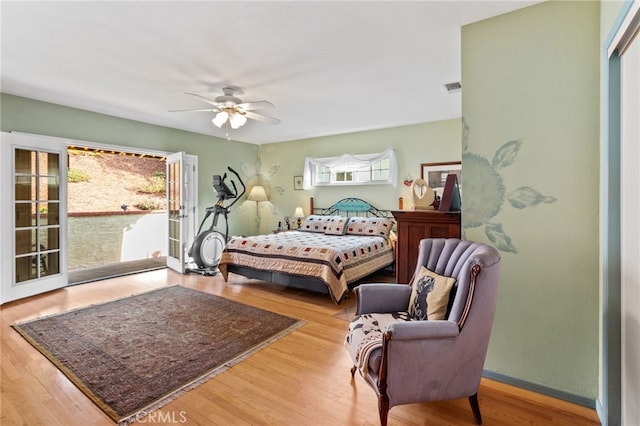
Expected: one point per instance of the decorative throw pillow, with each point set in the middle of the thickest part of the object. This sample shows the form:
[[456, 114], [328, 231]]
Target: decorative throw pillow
[[336, 225], [379, 226], [314, 223], [430, 295]]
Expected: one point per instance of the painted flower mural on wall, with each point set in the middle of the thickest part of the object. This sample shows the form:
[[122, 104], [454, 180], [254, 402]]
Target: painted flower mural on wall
[[483, 180]]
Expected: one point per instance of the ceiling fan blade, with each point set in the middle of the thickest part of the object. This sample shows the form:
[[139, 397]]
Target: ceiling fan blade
[[261, 117], [211, 101], [250, 106], [195, 110]]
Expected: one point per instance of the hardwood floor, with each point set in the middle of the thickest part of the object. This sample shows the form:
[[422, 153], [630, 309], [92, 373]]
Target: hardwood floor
[[302, 379]]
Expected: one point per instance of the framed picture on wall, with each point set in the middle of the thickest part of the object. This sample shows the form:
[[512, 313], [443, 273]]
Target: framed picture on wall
[[297, 183], [435, 174]]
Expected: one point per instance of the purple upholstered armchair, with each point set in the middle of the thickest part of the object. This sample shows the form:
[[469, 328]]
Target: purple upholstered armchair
[[407, 360]]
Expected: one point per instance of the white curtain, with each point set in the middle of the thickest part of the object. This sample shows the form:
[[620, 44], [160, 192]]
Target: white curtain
[[349, 161]]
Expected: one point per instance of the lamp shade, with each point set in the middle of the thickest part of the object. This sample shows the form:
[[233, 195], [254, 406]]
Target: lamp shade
[[237, 120], [257, 193], [298, 212], [220, 118]]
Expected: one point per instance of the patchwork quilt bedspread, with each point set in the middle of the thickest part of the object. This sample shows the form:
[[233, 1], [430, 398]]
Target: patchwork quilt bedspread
[[337, 260]]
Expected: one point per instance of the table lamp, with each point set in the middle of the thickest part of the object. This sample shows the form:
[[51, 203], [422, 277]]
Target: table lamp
[[299, 213]]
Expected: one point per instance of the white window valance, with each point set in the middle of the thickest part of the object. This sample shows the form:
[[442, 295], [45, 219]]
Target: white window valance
[[350, 161]]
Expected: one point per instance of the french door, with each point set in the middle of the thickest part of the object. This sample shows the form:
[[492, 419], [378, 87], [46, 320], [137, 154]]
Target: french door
[[182, 201], [621, 288], [630, 225], [33, 222]]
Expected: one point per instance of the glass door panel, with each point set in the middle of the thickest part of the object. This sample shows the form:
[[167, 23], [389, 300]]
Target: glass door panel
[[175, 205], [37, 235], [182, 201]]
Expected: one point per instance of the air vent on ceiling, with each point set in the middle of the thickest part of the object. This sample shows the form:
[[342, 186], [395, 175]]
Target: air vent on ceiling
[[453, 87]]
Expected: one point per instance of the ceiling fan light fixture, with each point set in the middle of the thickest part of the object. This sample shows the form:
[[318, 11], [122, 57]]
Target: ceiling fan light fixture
[[237, 120], [220, 118], [231, 112]]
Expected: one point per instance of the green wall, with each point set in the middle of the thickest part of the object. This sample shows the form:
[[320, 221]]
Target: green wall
[[272, 165], [530, 184], [214, 154], [422, 143]]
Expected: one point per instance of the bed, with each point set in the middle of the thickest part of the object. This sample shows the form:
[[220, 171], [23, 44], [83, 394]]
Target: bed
[[333, 249]]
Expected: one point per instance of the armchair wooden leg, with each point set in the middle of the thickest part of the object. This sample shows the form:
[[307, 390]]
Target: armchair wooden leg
[[353, 371], [383, 408], [475, 408]]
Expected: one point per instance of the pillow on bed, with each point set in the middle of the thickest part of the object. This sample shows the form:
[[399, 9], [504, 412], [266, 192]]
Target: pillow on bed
[[314, 223], [379, 226], [336, 225]]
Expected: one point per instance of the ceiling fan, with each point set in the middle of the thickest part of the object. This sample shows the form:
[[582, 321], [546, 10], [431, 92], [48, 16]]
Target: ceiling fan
[[232, 110]]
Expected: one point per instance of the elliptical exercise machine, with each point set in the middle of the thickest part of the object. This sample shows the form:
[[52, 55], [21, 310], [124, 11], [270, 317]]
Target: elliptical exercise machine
[[206, 249]]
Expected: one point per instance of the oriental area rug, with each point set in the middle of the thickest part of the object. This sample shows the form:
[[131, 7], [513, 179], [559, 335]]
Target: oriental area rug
[[133, 355]]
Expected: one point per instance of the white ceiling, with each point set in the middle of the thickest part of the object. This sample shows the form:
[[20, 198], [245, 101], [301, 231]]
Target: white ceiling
[[328, 67]]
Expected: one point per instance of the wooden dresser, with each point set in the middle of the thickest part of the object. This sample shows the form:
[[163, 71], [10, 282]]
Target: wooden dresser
[[413, 226]]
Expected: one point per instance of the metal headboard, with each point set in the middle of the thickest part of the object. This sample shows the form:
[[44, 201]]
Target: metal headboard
[[350, 207]]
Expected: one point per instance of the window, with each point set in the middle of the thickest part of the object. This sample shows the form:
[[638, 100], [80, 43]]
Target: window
[[363, 169]]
